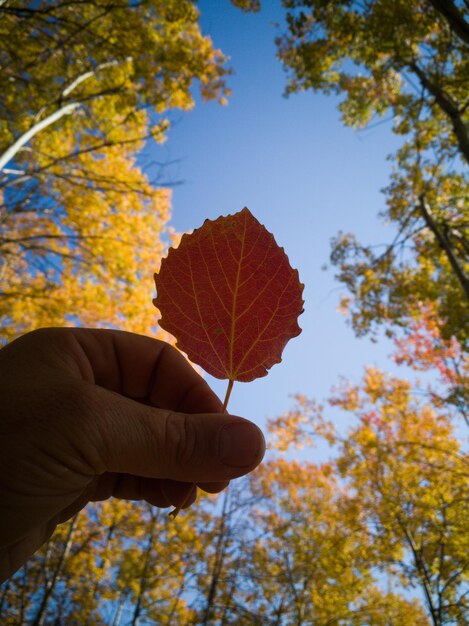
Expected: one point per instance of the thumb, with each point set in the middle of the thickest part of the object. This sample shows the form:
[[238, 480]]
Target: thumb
[[145, 441]]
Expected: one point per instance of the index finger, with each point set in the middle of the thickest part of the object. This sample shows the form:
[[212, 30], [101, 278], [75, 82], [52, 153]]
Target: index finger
[[142, 368]]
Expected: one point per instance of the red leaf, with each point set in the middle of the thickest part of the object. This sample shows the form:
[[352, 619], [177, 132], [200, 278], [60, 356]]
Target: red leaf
[[230, 297]]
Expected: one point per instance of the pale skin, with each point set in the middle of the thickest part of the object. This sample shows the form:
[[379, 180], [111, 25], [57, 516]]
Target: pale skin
[[89, 414]]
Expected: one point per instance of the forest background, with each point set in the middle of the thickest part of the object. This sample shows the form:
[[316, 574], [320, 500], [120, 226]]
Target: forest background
[[368, 523]]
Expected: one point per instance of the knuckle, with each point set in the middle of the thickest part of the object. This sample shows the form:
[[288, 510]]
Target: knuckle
[[180, 440]]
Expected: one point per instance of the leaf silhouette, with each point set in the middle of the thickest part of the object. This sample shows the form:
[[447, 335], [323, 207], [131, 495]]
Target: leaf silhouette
[[230, 297]]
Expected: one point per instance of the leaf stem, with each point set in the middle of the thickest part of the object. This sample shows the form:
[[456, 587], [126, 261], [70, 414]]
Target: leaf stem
[[228, 394], [174, 513]]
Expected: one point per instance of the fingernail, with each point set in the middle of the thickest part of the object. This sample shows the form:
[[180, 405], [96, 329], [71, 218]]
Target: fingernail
[[240, 444]]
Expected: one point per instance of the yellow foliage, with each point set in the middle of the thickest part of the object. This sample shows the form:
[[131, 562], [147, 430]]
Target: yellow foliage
[[82, 225]]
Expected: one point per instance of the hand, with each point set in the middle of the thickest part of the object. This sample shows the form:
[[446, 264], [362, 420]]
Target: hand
[[89, 414]]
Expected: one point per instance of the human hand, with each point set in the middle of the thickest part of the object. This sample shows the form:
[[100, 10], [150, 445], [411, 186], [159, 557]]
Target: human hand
[[89, 414]]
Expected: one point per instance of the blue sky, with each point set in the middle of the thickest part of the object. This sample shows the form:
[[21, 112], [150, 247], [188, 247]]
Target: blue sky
[[303, 175]]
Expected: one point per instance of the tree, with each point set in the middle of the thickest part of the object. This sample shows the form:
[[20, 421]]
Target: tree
[[412, 477], [58, 582], [115, 562], [311, 563], [409, 60], [405, 477], [340, 542], [84, 85], [424, 349]]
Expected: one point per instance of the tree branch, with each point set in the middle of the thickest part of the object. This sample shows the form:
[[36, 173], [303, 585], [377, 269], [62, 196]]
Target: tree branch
[[218, 562], [455, 19], [63, 110], [421, 571], [444, 244], [10, 153], [447, 105], [73, 85], [99, 146]]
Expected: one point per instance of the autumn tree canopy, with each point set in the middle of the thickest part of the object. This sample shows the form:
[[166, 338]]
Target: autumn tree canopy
[[403, 479], [83, 86], [376, 534], [406, 62]]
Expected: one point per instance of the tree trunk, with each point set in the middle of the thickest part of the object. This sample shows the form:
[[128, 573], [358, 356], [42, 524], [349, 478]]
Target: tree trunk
[[455, 19], [50, 586], [447, 105], [218, 564], [120, 608], [143, 577], [445, 245]]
